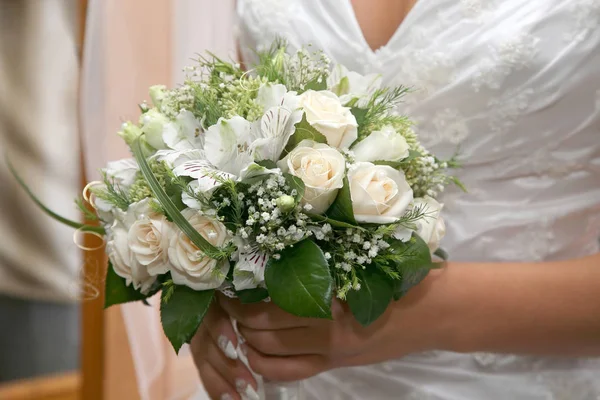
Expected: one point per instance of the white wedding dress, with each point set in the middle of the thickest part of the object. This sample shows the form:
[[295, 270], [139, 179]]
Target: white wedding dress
[[515, 85]]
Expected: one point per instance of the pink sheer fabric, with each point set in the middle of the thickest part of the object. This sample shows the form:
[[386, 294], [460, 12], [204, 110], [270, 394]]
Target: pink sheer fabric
[[129, 46]]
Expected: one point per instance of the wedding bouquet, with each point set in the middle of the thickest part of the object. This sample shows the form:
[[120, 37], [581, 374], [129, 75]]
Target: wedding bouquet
[[292, 181]]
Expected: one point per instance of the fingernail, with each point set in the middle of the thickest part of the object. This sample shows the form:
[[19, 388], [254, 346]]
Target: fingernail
[[227, 347], [244, 389], [226, 396], [244, 349]]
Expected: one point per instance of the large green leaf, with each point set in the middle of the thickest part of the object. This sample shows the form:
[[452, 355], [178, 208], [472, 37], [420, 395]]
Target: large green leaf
[[304, 130], [412, 259], [116, 291], [182, 314], [249, 296], [300, 282], [168, 205], [341, 209], [376, 291]]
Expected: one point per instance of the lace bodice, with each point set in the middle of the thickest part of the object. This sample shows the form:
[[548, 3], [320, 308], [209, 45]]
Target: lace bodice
[[515, 87]]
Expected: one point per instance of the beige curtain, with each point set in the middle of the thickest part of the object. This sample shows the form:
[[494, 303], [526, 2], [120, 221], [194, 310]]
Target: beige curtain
[[38, 130], [131, 45]]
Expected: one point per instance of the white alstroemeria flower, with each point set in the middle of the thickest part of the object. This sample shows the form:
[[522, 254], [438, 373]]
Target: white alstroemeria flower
[[380, 194], [122, 172], [124, 257], [349, 85], [249, 269], [175, 158], [383, 145], [206, 178], [189, 265], [153, 123], [276, 95], [227, 145], [183, 133], [325, 112], [277, 125], [431, 228]]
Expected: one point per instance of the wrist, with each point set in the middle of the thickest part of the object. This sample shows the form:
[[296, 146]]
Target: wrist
[[448, 303]]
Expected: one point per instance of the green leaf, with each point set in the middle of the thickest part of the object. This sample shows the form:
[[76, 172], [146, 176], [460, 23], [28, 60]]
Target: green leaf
[[182, 314], [412, 154], [295, 183], [409, 281], [376, 291], [269, 164], [441, 253], [359, 114], [117, 292], [303, 131], [50, 213], [458, 183], [412, 260], [341, 209], [316, 85], [332, 222], [300, 282], [249, 296], [168, 205], [393, 164]]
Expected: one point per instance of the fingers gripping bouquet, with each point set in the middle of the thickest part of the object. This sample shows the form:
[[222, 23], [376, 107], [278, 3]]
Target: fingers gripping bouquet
[[292, 181]]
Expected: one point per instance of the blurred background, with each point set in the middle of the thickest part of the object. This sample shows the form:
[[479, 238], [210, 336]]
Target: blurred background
[[39, 263], [71, 71]]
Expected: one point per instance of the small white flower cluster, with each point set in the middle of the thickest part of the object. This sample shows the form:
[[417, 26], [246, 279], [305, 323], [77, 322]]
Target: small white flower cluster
[[305, 67], [267, 224], [430, 178], [177, 100], [361, 248]]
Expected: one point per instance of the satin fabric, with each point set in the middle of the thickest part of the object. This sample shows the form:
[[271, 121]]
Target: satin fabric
[[514, 88]]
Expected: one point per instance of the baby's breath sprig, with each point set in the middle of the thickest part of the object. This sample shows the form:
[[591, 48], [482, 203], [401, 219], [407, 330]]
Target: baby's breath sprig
[[299, 71]]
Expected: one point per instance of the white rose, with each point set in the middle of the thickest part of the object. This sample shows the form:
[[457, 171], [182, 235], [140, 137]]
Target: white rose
[[189, 265], [383, 145], [380, 194], [149, 242], [350, 85], [123, 259], [153, 125], [325, 113], [322, 170], [431, 228]]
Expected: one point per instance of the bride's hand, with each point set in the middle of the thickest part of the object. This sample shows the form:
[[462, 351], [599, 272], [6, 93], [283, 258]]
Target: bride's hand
[[282, 347], [214, 351]]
